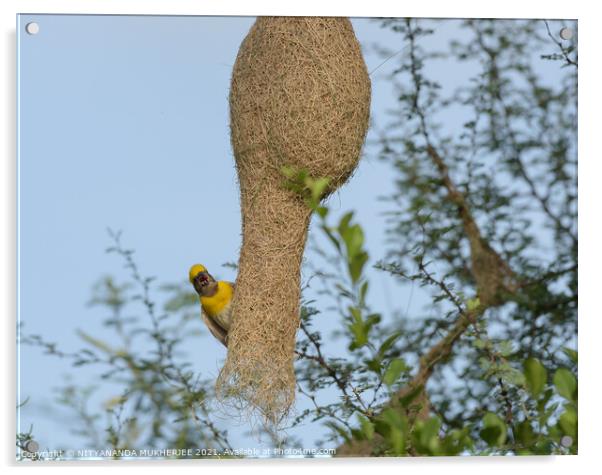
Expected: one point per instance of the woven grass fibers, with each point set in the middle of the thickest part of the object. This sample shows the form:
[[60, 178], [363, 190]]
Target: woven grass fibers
[[300, 96]]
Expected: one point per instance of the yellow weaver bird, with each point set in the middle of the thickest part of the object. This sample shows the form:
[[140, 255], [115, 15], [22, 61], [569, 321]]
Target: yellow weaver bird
[[216, 299]]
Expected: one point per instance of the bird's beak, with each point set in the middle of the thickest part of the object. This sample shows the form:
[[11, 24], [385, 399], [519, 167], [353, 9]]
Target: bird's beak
[[200, 281]]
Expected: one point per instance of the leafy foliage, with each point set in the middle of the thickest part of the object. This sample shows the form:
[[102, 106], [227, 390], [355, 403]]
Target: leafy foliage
[[160, 402], [497, 191]]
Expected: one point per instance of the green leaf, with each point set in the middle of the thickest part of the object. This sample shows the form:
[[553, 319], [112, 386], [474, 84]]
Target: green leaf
[[394, 418], [505, 348], [360, 337], [571, 354], [373, 319], [494, 430], [473, 304], [354, 239], [525, 434], [426, 435], [408, 398], [393, 426], [363, 292], [456, 441], [479, 343], [396, 439], [568, 421], [356, 266], [388, 343], [344, 222], [514, 376], [317, 189], [358, 328], [536, 376], [356, 313], [566, 384], [322, 211], [394, 370], [374, 365], [366, 426]]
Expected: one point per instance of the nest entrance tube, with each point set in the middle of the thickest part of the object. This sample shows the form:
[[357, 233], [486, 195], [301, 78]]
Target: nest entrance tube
[[299, 97]]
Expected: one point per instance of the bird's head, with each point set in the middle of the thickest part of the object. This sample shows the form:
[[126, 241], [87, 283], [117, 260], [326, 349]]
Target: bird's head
[[202, 281]]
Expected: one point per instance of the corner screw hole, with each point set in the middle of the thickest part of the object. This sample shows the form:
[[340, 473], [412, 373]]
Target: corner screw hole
[[566, 33], [32, 28]]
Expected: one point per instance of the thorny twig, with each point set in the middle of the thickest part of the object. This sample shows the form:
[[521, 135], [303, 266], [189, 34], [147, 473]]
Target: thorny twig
[[332, 373], [563, 50]]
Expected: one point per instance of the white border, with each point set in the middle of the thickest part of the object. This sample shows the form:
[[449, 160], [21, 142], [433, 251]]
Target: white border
[[423, 8], [589, 210]]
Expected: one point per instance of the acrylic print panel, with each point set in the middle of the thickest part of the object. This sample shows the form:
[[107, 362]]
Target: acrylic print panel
[[436, 305]]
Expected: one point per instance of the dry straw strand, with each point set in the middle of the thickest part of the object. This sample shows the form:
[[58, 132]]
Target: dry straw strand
[[299, 97]]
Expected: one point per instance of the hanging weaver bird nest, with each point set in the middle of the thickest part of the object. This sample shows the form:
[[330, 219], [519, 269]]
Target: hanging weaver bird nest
[[300, 97]]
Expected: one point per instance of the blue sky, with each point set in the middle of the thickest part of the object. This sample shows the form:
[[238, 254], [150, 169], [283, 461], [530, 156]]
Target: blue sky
[[123, 123]]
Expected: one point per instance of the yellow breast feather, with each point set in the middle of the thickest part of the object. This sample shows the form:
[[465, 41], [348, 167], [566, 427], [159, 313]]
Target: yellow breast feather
[[220, 302]]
